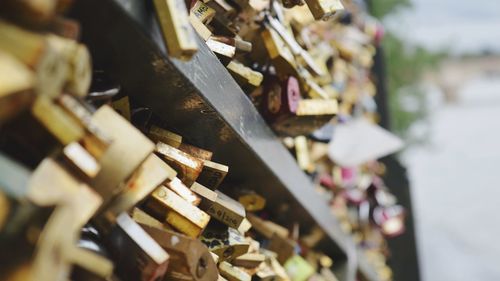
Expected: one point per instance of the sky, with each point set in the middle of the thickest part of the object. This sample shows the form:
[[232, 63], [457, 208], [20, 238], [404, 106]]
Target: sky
[[461, 25]]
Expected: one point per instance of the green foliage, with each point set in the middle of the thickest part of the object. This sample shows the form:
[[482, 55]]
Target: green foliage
[[406, 64], [382, 8], [405, 68]]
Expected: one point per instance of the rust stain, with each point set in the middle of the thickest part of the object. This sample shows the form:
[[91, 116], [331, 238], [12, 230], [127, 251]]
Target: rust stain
[[159, 64], [225, 134], [192, 103]]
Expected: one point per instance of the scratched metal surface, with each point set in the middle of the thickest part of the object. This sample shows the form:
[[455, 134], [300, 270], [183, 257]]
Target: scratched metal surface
[[201, 101]]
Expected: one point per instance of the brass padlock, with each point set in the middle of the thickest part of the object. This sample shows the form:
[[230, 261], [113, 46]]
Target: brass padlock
[[151, 174], [50, 184], [35, 13], [77, 58], [81, 159], [202, 12], [196, 151], [281, 56], [249, 260], [183, 191], [225, 242], [57, 121], [224, 51], [158, 134], [283, 246], [199, 27], [240, 45], [137, 255], [233, 273], [252, 201], [244, 75], [143, 218], [208, 196], [302, 154], [189, 258], [188, 167], [212, 174], [267, 228], [324, 9], [227, 210], [180, 214], [36, 52], [95, 141], [176, 30], [16, 86], [116, 165]]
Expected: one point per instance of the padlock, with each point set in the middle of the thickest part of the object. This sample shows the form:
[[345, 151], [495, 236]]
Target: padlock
[[81, 160], [324, 9], [208, 196], [227, 210], [225, 242], [36, 52], [158, 134], [249, 260], [176, 30], [189, 258], [196, 151], [167, 206], [151, 174], [267, 228], [233, 273], [212, 174], [183, 191], [245, 75], [16, 86], [117, 166], [188, 167], [137, 256]]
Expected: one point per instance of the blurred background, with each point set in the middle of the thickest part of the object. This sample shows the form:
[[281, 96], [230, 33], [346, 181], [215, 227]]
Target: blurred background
[[443, 69]]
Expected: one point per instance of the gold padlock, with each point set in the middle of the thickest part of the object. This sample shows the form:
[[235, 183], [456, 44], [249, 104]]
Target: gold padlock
[[188, 167], [196, 151], [81, 159], [137, 255], [176, 30], [267, 228], [170, 207], [183, 191], [199, 27], [212, 174], [189, 258], [208, 196], [158, 134], [245, 75], [227, 210], [225, 242], [36, 52], [324, 9], [117, 166], [151, 174], [233, 273], [95, 141], [249, 260], [57, 121], [16, 86]]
